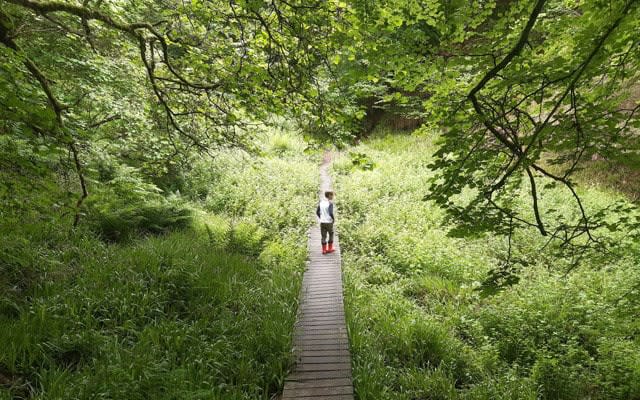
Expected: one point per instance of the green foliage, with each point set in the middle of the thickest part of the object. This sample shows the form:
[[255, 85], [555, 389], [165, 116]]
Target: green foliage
[[524, 92], [284, 141], [272, 192], [215, 227], [555, 112], [204, 310], [166, 317], [198, 266], [246, 238], [126, 206], [362, 161], [141, 219], [418, 325]]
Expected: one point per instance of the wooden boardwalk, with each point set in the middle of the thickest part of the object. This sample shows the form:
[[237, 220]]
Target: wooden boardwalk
[[321, 346]]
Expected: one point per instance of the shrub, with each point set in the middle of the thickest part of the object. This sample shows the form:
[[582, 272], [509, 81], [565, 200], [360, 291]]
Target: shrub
[[276, 194], [361, 161], [619, 365], [215, 227], [246, 238], [558, 379], [127, 206], [141, 219]]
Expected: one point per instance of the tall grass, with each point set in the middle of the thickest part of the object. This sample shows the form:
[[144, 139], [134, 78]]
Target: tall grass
[[168, 317], [194, 304], [419, 329]]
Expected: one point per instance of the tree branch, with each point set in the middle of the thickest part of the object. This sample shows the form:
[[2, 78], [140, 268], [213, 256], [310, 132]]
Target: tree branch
[[536, 210], [524, 37]]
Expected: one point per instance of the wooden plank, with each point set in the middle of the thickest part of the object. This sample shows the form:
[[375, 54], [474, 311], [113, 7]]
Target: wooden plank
[[325, 281], [322, 353], [331, 293], [320, 329], [311, 301], [320, 319], [319, 383], [321, 333], [320, 391], [313, 375], [312, 330], [324, 294], [321, 346], [320, 339], [328, 333], [337, 310], [324, 359], [336, 397], [320, 312], [321, 315], [323, 367], [335, 306], [324, 271], [319, 304], [309, 306], [316, 343], [334, 290], [321, 343]]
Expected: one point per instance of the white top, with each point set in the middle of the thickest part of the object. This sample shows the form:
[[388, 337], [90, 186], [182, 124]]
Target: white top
[[325, 211]]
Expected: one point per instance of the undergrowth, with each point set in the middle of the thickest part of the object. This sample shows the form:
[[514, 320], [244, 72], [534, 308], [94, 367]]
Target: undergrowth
[[155, 295], [420, 328]]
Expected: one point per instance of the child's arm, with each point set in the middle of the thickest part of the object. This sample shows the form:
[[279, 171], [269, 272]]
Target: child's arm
[[318, 211], [331, 212]]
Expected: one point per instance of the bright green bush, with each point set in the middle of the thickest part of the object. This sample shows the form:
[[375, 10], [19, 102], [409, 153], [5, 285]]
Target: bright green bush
[[285, 143], [141, 219], [215, 227], [246, 238], [275, 193]]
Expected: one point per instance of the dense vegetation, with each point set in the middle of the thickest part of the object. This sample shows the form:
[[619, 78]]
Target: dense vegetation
[[420, 325], [158, 169], [188, 297]]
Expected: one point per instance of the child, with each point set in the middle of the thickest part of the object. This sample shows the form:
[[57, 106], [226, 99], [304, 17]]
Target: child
[[325, 214]]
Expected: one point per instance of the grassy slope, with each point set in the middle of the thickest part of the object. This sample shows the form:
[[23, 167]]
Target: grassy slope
[[418, 328], [203, 313]]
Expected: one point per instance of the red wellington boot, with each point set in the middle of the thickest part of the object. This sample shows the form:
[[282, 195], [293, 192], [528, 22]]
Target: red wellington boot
[[330, 248], [324, 248]]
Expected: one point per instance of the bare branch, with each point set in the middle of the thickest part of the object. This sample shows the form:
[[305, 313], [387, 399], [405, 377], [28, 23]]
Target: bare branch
[[536, 210]]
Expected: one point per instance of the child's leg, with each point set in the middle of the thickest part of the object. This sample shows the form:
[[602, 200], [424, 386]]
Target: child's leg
[[323, 236], [330, 248], [323, 233]]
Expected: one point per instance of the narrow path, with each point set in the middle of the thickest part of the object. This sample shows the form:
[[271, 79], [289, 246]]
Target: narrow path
[[323, 360]]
